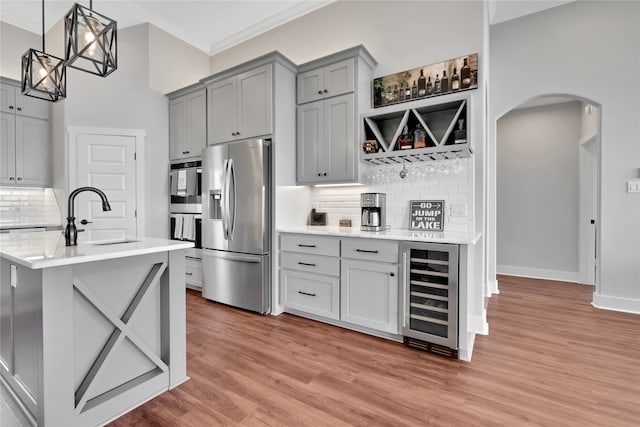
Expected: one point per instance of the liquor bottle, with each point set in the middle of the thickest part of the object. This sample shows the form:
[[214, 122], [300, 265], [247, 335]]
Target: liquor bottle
[[414, 90], [460, 134], [419, 137], [455, 80], [429, 87], [444, 82], [465, 75], [422, 84], [407, 92], [401, 92], [436, 86], [395, 94], [405, 141]]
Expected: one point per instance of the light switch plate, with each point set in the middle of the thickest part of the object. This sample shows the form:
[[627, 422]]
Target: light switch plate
[[633, 186], [14, 276]]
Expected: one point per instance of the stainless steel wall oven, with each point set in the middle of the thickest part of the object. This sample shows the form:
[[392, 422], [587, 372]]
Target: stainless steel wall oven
[[185, 209]]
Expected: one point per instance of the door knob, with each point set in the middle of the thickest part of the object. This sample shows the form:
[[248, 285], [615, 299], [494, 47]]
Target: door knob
[[85, 222]]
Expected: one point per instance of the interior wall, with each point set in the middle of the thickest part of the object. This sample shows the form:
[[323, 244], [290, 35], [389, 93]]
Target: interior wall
[[537, 187], [14, 42], [575, 49]]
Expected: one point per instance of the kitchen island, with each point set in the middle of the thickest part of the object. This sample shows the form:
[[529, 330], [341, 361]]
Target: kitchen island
[[89, 332]]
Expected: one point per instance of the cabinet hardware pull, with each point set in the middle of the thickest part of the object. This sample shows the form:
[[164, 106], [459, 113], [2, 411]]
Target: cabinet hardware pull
[[307, 293], [19, 108], [319, 174], [306, 263], [392, 274], [326, 91], [306, 246], [189, 274], [10, 107], [19, 178], [325, 174], [367, 251], [319, 92], [11, 178]]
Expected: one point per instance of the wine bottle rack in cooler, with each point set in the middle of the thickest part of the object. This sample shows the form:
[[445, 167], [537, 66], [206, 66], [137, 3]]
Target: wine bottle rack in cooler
[[431, 293]]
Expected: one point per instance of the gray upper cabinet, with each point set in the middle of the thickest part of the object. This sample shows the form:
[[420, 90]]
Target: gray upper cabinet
[[331, 92], [241, 105], [187, 122], [24, 138], [332, 80]]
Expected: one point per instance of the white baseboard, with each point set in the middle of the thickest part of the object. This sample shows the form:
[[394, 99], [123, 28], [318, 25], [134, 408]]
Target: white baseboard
[[465, 352], [539, 273], [491, 288], [479, 325], [626, 305]]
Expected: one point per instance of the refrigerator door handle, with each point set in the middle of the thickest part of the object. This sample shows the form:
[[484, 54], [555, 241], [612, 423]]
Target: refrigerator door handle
[[232, 217], [225, 201], [233, 256]]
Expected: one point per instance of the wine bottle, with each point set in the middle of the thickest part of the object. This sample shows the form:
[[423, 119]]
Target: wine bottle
[[405, 141], [455, 80], [422, 84], [401, 92], [465, 75], [436, 86], [444, 82], [429, 87], [460, 134], [414, 90], [419, 137], [407, 92], [395, 94]]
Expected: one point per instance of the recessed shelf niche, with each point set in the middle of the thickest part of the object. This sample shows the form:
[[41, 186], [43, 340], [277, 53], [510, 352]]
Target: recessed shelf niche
[[439, 122]]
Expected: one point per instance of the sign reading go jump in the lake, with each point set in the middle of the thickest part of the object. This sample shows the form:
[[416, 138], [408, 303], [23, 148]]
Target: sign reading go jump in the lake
[[427, 215]]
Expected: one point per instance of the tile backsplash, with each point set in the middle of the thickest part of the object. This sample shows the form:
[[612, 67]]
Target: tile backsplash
[[447, 180], [22, 206]]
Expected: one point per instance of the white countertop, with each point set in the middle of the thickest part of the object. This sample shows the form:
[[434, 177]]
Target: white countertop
[[453, 237], [47, 249]]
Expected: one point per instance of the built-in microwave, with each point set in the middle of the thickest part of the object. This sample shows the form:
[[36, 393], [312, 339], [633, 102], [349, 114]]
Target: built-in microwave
[[185, 187]]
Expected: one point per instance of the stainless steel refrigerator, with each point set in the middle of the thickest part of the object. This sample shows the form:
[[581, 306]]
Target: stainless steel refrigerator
[[236, 224]]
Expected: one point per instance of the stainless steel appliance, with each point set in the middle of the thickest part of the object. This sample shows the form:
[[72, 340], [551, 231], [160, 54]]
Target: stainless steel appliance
[[185, 208], [430, 297], [236, 229], [373, 208]]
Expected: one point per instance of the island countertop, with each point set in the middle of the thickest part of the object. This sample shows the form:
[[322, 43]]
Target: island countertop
[[47, 249], [454, 237]]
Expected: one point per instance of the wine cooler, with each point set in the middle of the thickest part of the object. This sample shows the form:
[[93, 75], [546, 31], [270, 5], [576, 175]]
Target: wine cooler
[[430, 303]]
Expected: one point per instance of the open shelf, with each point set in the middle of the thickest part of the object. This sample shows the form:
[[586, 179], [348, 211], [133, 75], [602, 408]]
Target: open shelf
[[439, 121]]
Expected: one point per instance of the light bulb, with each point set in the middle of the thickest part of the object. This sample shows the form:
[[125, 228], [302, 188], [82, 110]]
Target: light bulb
[[88, 39], [46, 82]]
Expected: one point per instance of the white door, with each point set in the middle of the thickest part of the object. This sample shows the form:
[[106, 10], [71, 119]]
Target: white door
[[106, 159]]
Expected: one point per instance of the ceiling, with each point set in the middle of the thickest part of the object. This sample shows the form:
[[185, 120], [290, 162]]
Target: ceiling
[[212, 25]]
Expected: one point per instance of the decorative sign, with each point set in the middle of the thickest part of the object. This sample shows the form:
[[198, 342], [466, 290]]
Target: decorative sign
[[451, 76], [427, 215]]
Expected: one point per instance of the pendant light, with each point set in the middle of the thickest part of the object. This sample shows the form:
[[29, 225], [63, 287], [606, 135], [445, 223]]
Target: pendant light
[[44, 76], [90, 41]]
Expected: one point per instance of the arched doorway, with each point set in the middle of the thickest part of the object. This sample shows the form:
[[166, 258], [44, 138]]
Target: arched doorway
[[547, 189]]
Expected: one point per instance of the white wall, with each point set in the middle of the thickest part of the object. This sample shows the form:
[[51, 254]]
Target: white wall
[[537, 187], [14, 42], [577, 49]]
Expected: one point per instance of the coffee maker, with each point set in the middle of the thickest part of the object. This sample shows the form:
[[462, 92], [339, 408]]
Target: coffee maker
[[373, 208]]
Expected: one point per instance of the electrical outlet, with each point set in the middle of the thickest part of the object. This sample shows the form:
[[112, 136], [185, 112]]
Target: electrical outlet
[[633, 186]]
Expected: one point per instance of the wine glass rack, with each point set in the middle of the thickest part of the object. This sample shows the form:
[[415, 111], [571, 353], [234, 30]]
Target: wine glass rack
[[439, 121]]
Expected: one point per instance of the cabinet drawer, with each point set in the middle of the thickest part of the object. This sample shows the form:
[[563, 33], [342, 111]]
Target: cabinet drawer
[[310, 244], [311, 293], [193, 271], [312, 263], [370, 250]]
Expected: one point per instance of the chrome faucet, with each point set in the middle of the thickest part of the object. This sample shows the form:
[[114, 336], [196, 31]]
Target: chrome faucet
[[70, 231]]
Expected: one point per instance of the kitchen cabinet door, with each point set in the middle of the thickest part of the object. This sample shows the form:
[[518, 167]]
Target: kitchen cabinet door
[[221, 116], [331, 80], [13, 101], [325, 141], [369, 295], [187, 125], [32, 151], [311, 293], [7, 98], [254, 107], [7, 149]]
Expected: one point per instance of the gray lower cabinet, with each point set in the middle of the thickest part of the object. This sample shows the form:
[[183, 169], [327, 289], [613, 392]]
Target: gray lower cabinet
[[350, 280], [193, 273], [369, 294]]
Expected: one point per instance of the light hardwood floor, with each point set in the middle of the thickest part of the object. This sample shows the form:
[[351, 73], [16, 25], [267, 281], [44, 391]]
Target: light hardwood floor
[[550, 359]]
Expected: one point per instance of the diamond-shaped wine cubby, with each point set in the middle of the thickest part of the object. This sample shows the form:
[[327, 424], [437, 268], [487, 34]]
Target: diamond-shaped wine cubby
[[445, 126]]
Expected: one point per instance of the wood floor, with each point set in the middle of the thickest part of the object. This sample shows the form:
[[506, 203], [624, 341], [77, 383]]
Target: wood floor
[[550, 359]]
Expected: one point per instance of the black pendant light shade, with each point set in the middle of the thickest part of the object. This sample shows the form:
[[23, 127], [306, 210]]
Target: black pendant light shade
[[44, 76], [90, 41]]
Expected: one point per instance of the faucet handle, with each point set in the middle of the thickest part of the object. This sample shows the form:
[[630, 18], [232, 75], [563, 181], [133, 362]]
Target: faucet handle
[[85, 222], [79, 230]]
